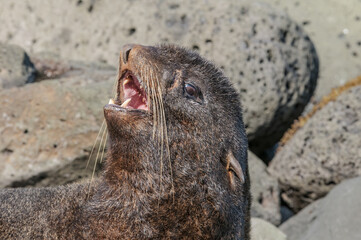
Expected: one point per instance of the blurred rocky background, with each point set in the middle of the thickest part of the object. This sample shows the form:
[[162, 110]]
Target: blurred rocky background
[[58, 65]]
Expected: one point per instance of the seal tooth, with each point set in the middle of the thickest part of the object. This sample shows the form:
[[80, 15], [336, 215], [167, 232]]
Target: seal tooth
[[111, 101], [125, 103], [126, 81]]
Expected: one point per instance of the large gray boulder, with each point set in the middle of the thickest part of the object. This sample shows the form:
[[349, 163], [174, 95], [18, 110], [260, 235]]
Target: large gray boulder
[[263, 230], [334, 27], [277, 71], [268, 56], [325, 151], [264, 190], [16, 69], [337, 216], [48, 128]]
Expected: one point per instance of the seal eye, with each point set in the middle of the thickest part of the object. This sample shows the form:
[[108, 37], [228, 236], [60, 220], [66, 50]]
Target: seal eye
[[191, 90]]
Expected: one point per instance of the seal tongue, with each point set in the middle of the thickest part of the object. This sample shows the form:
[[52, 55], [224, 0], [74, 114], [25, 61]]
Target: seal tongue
[[134, 96]]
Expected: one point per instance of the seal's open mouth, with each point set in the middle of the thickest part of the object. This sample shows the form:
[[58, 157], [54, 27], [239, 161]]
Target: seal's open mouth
[[133, 94]]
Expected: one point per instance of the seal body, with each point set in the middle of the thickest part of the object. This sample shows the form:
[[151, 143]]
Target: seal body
[[176, 162]]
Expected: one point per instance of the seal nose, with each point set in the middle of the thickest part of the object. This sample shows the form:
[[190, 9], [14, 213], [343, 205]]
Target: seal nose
[[126, 51]]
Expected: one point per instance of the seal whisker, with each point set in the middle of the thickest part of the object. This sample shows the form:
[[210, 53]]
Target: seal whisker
[[148, 86], [95, 163], [155, 104], [165, 137], [156, 120], [104, 145], [95, 142], [115, 86], [157, 123], [147, 79], [161, 125]]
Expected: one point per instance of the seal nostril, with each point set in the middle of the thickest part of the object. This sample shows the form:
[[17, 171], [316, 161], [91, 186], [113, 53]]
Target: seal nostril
[[126, 51], [126, 55]]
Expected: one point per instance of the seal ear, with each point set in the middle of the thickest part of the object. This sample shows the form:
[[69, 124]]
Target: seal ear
[[234, 169]]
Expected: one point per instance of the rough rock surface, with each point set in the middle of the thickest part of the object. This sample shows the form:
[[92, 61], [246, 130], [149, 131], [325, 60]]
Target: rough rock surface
[[335, 28], [269, 58], [265, 191], [337, 216], [278, 74], [263, 230], [48, 128], [325, 151], [16, 69]]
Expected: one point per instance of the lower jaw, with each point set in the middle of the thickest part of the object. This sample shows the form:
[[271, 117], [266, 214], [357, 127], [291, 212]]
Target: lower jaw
[[117, 108]]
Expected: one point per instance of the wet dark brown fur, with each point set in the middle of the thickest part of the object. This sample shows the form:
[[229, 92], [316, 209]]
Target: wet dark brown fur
[[166, 174]]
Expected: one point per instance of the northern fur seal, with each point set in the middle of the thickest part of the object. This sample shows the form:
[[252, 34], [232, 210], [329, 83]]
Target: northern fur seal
[[176, 161]]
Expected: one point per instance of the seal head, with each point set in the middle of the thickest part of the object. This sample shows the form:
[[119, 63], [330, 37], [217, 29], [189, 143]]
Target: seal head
[[177, 145]]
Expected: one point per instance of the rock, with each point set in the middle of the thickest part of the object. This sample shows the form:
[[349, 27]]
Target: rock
[[16, 69], [278, 70], [269, 58], [337, 216], [297, 226], [334, 27], [286, 213], [264, 190], [48, 128], [52, 66], [322, 153], [263, 230]]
